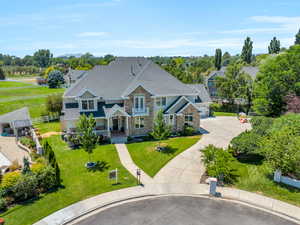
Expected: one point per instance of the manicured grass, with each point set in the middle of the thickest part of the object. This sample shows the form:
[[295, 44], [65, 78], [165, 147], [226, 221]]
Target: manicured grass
[[26, 92], [224, 114], [48, 127], [36, 106], [9, 84], [259, 179], [78, 183], [151, 161]]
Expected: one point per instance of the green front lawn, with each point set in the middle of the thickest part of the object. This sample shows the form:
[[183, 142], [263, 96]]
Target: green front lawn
[[78, 183], [259, 179], [48, 127], [151, 161], [224, 114], [11, 84]]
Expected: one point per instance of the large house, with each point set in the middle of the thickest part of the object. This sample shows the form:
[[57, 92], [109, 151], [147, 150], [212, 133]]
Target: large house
[[125, 95], [72, 76], [211, 78]]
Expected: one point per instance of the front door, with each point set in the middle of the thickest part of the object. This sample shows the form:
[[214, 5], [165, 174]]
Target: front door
[[115, 124]]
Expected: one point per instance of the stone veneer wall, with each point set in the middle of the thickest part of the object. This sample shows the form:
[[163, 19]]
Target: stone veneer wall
[[148, 120], [188, 110]]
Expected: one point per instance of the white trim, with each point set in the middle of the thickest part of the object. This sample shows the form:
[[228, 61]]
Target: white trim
[[173, 95], [115, 109], [83, 91], [135, 87], [88, 99], [190, 103], [181, 97]]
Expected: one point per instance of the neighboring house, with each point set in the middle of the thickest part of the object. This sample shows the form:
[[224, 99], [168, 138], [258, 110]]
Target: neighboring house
[[125, 95], [13, 123], [211, 78], [72, 76]]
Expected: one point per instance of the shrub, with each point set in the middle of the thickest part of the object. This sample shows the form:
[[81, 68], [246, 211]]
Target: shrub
[[188, 130], [246, 143], [261, 124], [2, 74], [10, 179], [25, 188], [28, 142], [46, 178], [37, 167], [220, 164], [3, 204]]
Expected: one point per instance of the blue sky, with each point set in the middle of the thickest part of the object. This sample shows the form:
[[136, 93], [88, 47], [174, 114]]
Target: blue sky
[[144, 27]]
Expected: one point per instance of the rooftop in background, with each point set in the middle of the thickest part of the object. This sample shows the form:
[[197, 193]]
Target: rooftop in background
[[251, 70], [124, 74]]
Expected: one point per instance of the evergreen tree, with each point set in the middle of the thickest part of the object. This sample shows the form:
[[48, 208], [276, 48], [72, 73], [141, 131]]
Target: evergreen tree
[[160, 130], [247, 50], [26, 166], [57, 173], [218, 58], [2, 74], [274, 47], [297, 41]]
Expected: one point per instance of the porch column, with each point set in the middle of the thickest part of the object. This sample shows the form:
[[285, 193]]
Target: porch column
[[127, 128], [108, 127]]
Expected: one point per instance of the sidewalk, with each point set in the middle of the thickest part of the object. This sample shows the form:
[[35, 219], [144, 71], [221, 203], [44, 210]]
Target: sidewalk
[[128, 163], [66, 215]]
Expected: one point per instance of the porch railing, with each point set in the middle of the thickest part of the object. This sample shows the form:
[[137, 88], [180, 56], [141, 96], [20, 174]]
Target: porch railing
[[140, 111]]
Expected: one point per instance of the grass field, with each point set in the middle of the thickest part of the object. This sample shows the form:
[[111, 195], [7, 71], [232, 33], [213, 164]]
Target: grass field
[[33, 97], [78, 183], [224, 114], [48, 127], [8, 84], [259, 178], [151, 161]]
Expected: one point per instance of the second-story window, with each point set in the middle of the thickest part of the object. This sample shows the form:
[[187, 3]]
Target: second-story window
[[87, 104], [161, 101], [139, 102]]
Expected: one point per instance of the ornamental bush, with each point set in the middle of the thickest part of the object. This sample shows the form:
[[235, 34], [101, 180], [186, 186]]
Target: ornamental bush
[[25, 188], [55, 79], [220, 164], [246, 143], [10, 179], [188, 131], [3, 204]]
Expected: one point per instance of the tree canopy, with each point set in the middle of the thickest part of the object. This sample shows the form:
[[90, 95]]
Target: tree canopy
[[278, 77], [43, 57], [55, 79], [297, 38]]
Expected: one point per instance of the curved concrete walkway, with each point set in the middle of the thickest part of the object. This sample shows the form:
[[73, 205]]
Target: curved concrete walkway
[[72, 212], [187, 167]]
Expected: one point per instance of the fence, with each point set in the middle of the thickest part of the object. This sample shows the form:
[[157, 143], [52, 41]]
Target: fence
[[286, 180], [45, 119]]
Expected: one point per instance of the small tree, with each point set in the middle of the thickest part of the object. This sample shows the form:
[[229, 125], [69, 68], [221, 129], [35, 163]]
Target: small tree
[[2, 74], [247, 50], [218, 58], [161, 130], [54, 104], [87, 137], [26, 166], [274, 47], [55, 79]]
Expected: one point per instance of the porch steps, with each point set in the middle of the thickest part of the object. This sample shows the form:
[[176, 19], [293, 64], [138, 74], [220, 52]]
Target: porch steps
[[118, 140]]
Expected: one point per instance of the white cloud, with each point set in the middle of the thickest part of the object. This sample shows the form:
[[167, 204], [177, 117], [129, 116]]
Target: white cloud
[[283, 24], [92, 34]]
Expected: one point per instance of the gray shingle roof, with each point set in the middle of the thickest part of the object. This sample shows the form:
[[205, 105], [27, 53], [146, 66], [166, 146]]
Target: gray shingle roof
[[74, 74], [251, 70], [122, 76], [202, 92], [20, 114]]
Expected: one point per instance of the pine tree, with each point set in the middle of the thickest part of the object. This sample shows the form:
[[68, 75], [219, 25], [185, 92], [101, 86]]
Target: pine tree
[[161, 130], [274, 47], [247, 50], [297, 41], [57, 173], [218, 58]]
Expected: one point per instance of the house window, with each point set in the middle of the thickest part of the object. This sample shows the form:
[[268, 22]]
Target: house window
[[139, 122], [87, 104], [139, 102], [188, 118], [171, 119], [161, 101]]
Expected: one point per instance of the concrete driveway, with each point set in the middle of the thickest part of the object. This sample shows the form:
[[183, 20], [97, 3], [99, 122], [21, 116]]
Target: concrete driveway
[[10, 150], [178, 210], [187, 166]]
